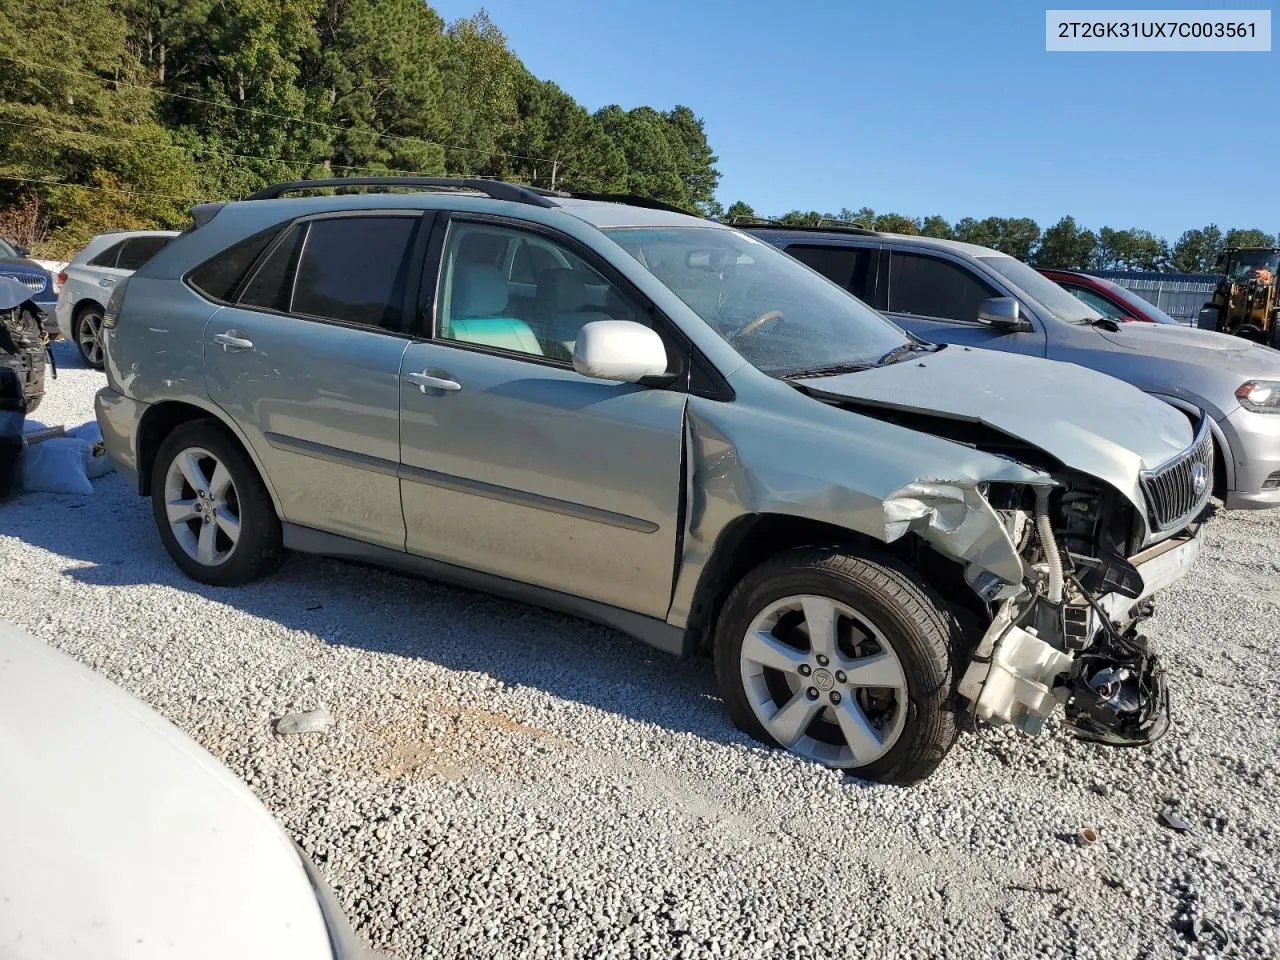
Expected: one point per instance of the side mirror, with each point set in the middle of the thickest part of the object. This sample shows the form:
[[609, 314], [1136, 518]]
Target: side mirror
[[1003, 313], [619, 350], [21, 251]]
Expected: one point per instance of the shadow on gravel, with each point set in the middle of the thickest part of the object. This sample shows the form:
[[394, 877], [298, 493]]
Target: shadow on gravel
[[111, 541]]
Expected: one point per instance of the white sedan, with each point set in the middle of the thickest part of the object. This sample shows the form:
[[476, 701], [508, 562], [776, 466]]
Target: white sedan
[[120, 837]]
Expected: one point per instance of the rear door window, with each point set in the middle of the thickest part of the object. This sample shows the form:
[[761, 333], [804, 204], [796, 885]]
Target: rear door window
[[851, 267], [354, 269], [923, 286], [108, 257], [134, 253]]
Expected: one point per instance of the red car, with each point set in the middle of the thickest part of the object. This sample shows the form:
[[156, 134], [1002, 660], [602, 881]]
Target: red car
[[1110, 299]]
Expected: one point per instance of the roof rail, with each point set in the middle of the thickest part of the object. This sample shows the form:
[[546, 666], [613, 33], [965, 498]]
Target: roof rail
[[497, 189], [633, 200], [825, 224], [833, 226]]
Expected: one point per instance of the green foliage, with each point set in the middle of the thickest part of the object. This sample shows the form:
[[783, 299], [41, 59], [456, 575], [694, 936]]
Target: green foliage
[[739, 209], [895, 223], [1066, 246], [130, 110], [1131, 249], [936, 227], [77, 126], [1198, 251], [1251, 238]]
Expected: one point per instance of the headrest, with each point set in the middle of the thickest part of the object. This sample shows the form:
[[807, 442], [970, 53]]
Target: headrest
[[480, 290], [560, 290]]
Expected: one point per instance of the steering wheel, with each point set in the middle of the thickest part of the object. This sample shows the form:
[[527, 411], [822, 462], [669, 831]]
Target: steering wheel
[[753, 326]]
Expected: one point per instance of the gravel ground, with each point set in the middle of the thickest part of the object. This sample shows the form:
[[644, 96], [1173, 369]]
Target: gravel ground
[[501, 781]]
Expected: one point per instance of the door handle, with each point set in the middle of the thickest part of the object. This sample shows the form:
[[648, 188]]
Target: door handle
[[425, 382], [107, 282], [230, 341]]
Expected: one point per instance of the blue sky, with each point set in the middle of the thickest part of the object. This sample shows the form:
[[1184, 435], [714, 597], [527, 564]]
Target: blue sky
[[926, 107]]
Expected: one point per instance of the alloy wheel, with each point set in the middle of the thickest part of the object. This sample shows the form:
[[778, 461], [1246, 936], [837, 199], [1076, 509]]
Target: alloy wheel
[[202, 506], [823, 681], [89, 337]]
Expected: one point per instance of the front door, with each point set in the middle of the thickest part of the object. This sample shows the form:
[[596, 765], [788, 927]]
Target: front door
[[307, 362], [938, 300], [514, 464]]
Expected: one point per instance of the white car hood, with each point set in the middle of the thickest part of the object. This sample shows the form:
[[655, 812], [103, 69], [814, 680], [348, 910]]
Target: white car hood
[[121, 838]]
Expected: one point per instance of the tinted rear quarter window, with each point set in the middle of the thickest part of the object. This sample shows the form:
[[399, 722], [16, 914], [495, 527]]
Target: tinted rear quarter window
[[851, 267], [928, 287], [354, 269], [218, 276], [270, 286], [139, 250]]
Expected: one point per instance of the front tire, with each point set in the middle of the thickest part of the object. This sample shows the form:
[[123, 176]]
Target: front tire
[[212, 509], [845, 659]]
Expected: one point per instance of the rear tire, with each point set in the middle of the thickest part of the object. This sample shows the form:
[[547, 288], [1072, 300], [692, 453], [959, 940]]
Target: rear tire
[[212, 510], [86, 331], [884, 704]]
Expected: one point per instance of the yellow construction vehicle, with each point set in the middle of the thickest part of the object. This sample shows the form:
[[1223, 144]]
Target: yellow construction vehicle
[[1247, 300]]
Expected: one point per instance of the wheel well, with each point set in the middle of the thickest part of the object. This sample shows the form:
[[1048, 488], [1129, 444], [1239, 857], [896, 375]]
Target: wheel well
[[751, 540], [1219, 472], [158, 422], [84, 305]]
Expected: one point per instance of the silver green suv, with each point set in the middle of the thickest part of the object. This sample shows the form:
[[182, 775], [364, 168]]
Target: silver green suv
[[607, 407]]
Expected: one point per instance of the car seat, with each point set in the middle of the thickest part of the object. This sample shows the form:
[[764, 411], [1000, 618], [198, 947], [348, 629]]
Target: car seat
[[480, 295], [561, 309]]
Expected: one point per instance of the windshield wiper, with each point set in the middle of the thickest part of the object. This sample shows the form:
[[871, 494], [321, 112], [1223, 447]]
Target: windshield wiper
[[906, 349], [1105, 323], [829, 371]]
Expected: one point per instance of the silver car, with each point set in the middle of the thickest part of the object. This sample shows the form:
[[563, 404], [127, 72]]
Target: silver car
[[668, 426], [950, 292]]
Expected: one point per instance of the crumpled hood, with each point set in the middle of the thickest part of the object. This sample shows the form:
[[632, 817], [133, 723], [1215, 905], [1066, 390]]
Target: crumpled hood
[[1087, 420], [1193, 345], [120, 837]]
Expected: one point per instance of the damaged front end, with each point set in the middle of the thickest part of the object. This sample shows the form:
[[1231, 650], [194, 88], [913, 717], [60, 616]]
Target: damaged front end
[[1050, 561]]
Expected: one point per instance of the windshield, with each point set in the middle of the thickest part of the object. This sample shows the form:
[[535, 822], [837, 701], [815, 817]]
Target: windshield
[[1138, 304], [6, 250], [1040, 288], [1246, 263], [782, 317]]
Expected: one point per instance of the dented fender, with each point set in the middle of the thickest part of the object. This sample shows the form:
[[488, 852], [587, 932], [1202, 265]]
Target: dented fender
[[805, 459]]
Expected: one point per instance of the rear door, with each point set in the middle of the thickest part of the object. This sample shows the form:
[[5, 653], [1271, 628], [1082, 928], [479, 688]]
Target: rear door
[[306, 359], [937, 298], [853, 268], [514, 464]]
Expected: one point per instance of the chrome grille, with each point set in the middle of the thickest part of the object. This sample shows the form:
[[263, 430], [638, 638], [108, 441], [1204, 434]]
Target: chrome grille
[[1178, 489], [31, 281]]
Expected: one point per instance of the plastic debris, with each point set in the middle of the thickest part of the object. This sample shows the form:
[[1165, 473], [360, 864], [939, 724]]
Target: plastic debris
[[1174, 822], [308, 721]]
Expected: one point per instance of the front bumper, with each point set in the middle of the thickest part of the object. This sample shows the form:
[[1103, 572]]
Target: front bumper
[[118, 419], [1159, 566], [1254, 439]]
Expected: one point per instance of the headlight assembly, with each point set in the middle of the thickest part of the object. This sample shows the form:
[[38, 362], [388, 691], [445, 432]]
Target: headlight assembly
[[1260, 396]]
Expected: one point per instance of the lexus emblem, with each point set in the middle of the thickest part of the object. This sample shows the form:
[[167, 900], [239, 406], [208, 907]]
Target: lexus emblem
[[1199, 477]]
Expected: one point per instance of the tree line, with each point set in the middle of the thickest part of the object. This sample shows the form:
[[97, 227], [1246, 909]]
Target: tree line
[[122, 113], [1066, 245]]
